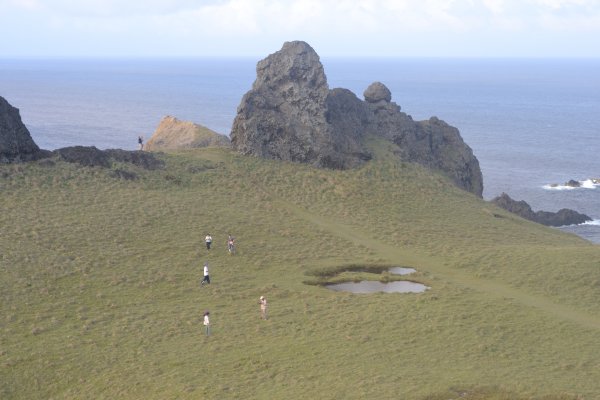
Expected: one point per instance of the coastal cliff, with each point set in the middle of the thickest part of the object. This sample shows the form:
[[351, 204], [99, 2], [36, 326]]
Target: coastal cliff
[[16, 144], [291, 114]]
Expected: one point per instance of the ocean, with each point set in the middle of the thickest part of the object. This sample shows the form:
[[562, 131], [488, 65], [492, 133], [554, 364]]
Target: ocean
[[531, 123]]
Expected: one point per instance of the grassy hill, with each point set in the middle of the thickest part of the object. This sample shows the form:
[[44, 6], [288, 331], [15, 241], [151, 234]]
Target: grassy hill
[[100, 295]]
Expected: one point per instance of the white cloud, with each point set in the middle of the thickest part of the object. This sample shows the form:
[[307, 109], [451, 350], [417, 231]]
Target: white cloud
[[590, 24], [558, 4], [244, 26], [107, 8], [24, 4], [495, 6]]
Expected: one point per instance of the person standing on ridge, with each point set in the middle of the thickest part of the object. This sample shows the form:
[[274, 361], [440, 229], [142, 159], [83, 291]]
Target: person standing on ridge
[[207, 322], [206, 278], [141, 142], [208, 240]]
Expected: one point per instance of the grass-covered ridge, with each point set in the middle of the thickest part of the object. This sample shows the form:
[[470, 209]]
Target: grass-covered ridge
[[100, 293]]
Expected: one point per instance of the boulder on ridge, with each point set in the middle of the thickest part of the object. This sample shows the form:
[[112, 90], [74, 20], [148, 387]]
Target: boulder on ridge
[[16, 144], [562, 217], [172, 134], [377, 92], [290, 114]]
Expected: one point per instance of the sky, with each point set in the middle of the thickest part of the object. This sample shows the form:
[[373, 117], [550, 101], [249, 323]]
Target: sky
[[349, 28]]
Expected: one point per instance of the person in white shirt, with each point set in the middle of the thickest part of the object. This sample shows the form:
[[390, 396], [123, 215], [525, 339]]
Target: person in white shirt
[[206, 276], [263, 307], [207, 323], [208, 240]]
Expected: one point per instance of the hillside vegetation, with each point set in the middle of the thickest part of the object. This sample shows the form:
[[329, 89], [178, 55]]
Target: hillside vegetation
[[100, 294]]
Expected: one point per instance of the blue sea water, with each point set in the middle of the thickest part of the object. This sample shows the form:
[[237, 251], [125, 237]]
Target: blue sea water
[[530, 122]]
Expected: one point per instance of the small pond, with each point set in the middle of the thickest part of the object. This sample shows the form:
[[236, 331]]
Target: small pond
[[376, 286]]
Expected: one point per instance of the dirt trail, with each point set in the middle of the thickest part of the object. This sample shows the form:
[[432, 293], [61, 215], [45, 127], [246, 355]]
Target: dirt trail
[[435, 265]]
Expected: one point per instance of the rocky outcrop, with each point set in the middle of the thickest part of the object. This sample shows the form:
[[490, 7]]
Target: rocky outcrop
[[16, 144], [87, 156], [172, 134], [90, 156], [562, 217], [290, 114], [285, 114], [432, 143]]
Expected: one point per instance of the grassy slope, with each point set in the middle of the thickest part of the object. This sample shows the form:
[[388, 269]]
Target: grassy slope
[[100, 297]]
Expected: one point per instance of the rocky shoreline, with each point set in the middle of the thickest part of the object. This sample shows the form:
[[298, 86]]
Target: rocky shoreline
[[562, 217]]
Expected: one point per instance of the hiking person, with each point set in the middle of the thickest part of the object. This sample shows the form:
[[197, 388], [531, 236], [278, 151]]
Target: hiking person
[[206, 278], [141, 142], [207, 322], [231, 244], [208, 240], [263, 307]]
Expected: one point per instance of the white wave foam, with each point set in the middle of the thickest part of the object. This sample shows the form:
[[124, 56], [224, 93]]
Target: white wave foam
[[558, 187], [586, 184], [595, 222], [589, 184]]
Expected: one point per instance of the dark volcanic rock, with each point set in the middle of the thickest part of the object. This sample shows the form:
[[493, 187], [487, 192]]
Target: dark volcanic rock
[[284, 116], [442, 148], [432, 143], [573, 183], [563, 217], [93, 157], [16, 143], [84, 155], [291, 114], [521, 208], [349, 119]]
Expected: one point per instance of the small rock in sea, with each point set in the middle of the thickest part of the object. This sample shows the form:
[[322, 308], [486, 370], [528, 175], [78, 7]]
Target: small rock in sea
[[573, 183]]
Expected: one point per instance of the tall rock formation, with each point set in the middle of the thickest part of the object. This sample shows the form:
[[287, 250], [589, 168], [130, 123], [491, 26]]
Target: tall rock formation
[[172, 133], [16, 143], [290, 114], [284, 116]]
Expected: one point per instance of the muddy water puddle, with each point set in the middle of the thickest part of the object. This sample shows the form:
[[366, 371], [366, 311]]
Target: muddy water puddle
[[376, 286], [385, 287]]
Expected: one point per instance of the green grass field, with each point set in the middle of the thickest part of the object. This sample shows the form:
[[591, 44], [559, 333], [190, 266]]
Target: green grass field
[[100, 294]]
